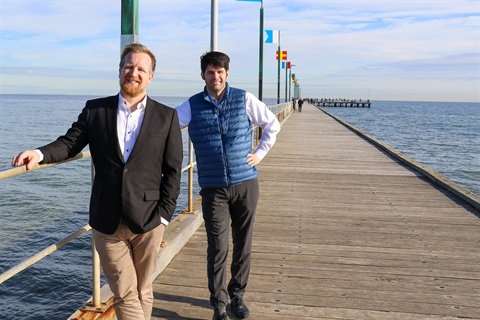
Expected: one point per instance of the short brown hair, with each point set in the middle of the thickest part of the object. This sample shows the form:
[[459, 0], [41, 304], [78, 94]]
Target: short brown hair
[[137, 48]]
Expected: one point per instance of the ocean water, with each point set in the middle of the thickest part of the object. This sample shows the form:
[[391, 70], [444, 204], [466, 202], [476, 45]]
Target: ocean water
[[42, 207], [444, 136]]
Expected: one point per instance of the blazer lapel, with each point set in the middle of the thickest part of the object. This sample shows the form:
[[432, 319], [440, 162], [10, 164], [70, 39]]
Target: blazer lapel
[[111, 126]]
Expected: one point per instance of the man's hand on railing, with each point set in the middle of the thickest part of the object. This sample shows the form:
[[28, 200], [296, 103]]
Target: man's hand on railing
[[28, 157]]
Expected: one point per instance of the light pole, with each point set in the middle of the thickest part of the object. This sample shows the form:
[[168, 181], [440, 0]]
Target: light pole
[[287, 66], [278, 69], [290, 83], [129, 23], [260, 56], [260, 51], [214, 26]]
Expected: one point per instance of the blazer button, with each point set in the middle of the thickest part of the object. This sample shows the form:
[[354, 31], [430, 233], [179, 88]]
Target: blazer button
[[125, 170]]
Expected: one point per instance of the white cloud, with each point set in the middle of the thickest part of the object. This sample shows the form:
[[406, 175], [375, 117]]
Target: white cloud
[[352, 47]]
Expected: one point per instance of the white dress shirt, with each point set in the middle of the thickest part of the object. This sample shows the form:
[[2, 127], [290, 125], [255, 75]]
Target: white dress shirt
[[129, 124], [257, 112]]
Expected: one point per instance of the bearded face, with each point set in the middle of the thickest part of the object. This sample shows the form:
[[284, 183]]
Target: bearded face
[[130, 87], [135, 75]]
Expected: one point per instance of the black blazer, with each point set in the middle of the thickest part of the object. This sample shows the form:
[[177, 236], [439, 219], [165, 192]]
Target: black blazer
[[139, 191]]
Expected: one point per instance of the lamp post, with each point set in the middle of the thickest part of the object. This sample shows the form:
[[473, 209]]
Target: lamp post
[[214, 26], [260, 51], [297, 91], [260, 56], [278, 69], [290, 83], [287, 66], [129, 23]]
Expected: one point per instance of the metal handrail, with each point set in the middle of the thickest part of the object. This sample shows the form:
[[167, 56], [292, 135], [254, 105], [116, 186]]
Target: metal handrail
[[23, 169], [281, 110], [42, 254], [95, 260]]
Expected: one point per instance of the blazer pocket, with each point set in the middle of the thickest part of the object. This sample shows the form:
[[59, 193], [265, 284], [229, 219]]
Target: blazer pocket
[[152, 195]]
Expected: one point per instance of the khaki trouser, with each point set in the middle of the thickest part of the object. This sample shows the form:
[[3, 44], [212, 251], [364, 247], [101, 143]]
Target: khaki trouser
[[128, 261]]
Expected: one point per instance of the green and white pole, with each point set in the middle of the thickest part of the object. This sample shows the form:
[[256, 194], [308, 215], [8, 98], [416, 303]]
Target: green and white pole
[[278, 69], [290, 82], [260, 56], [129, 28], [286, 80]]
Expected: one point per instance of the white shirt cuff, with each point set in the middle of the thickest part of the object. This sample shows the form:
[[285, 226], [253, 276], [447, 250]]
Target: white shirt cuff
[[40, 154]]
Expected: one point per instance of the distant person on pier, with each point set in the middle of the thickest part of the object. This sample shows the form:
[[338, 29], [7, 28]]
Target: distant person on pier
[[219, 122], [294, 104], [136, 148], [300, 104]]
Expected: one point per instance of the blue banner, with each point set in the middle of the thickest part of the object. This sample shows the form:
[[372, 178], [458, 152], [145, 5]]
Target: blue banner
[[272, 36]]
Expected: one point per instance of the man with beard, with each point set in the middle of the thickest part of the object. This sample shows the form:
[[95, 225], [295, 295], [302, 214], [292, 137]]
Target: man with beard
[[136, 148]]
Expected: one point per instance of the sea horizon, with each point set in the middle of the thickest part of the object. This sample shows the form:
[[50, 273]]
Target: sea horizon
[[282, 99]]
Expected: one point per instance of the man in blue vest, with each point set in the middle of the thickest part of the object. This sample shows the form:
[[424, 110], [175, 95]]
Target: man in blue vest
[[219, 124]]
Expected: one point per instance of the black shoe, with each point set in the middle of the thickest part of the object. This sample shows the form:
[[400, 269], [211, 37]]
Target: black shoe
[[219, 316], [239, 308]]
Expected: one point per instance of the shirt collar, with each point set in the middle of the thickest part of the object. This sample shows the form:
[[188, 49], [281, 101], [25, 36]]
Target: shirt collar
[[122, 103], [208, 97]]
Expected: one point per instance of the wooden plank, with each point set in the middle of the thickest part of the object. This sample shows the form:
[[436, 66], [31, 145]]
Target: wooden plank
[[343, 231]]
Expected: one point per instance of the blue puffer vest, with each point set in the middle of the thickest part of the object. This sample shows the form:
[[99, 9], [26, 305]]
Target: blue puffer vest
[[222, 139]]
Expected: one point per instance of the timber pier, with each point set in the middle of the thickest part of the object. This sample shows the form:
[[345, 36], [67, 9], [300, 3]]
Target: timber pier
[[342, 103], [344, 230]]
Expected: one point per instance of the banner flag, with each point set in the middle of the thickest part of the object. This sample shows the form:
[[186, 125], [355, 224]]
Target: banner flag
[[288, 64], [283, 64], [283, 55], [272, 36]]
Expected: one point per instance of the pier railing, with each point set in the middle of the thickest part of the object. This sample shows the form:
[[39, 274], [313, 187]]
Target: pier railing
[[342, 103], [281, 110]]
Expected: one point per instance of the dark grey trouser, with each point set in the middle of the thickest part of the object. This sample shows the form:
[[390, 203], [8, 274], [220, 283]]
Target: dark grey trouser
[[220, 206]]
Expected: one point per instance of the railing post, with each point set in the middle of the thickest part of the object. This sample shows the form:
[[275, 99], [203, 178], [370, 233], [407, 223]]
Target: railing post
[[190, 176], [95, 277], [96, 304], [189, 167]]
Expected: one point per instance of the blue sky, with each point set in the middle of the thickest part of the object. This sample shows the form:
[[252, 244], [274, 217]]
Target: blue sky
[[382, 50]]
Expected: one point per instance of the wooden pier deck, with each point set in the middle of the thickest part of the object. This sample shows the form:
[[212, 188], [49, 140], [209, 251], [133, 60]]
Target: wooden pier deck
[[343, 231]]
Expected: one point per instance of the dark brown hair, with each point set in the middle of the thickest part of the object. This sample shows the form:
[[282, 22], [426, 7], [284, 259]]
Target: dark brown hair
[[214, 58]]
